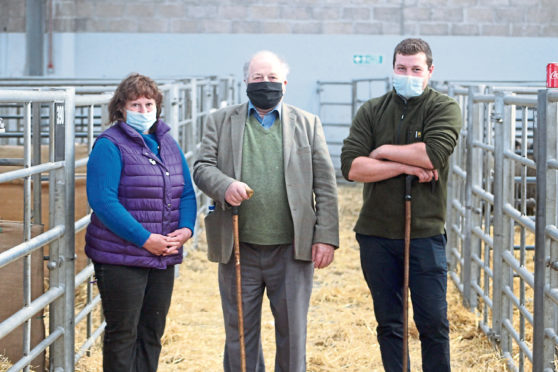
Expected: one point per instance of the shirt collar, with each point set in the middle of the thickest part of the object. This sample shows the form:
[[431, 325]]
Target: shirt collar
[[277, 109]]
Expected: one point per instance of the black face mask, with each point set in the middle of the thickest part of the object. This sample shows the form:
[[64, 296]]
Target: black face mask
[[264, 95]]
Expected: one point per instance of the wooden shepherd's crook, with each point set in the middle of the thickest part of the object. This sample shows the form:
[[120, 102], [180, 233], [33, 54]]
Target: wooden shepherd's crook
[[250, 192], [408, 183]]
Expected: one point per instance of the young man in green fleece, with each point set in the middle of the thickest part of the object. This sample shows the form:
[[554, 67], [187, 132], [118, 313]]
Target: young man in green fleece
[[411, 130]]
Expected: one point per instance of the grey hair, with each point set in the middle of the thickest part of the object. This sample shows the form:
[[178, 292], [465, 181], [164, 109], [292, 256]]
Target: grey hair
[[282, 62]]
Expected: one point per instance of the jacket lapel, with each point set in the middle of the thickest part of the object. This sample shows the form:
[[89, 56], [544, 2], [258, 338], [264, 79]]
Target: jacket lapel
[[238, 122], [288, 122]]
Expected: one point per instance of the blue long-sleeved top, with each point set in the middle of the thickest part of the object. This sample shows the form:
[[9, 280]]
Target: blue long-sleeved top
[[103, 173]]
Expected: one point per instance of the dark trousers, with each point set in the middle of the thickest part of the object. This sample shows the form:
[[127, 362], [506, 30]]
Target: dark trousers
[[135, 302], [382, 265]]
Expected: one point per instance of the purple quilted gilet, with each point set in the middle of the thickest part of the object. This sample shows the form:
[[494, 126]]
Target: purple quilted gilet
[[150, 189]]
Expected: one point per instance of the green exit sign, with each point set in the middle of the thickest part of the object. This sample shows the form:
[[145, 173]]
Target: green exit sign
[[367, 59]]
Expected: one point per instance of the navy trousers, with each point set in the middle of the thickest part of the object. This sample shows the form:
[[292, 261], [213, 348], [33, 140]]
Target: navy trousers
[[135, 302], [382, 265]]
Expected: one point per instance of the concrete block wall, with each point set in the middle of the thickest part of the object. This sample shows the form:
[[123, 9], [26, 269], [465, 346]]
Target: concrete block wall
[[508, 18]]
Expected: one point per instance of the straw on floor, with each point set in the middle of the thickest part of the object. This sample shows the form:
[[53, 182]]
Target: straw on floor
[[341, 324]]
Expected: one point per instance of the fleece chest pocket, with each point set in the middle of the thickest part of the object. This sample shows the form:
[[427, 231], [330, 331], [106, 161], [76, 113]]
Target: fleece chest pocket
[[414, 135]]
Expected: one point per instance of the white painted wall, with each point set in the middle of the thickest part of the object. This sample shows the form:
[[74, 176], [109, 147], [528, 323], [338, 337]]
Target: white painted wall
[[12, 54], [311, 57]]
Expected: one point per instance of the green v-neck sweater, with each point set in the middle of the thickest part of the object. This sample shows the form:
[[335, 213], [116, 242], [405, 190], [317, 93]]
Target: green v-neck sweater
[[265, 218]]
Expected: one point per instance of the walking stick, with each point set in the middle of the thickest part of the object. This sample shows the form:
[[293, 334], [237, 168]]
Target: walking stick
[[250, 192], [408, 183]]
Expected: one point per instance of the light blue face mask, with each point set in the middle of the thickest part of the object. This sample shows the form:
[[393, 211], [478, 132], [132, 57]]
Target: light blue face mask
[[408, 86], [141, 121]]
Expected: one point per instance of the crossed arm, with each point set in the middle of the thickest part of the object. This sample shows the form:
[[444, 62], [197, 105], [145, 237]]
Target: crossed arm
[[388, 161], [441, 125]]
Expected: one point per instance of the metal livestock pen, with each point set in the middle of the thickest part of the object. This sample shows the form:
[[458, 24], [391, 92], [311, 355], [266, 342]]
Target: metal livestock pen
[[501, 246], [501, 223], [46, 113]]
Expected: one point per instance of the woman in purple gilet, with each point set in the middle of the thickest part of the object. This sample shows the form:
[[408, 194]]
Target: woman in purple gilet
[[144, 210]]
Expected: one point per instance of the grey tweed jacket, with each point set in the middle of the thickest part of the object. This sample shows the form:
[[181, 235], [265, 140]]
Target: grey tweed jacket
[[309, 178]]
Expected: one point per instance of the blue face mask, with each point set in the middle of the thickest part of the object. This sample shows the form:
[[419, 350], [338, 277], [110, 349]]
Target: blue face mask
[[408, 86], [141, 121]]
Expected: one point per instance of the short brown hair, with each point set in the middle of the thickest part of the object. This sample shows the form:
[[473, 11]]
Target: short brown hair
[[133, 87], [409, 47]]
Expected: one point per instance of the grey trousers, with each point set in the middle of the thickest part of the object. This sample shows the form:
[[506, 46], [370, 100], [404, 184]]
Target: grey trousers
[[289, 285]]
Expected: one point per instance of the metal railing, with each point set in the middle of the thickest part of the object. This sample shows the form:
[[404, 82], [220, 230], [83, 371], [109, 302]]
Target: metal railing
[[338, 103], [59, 297], [57, 113], [495, 215], [501, 205]]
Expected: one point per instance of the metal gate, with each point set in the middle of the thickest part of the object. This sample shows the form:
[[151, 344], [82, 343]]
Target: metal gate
[[60, 234], [496, 217]]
